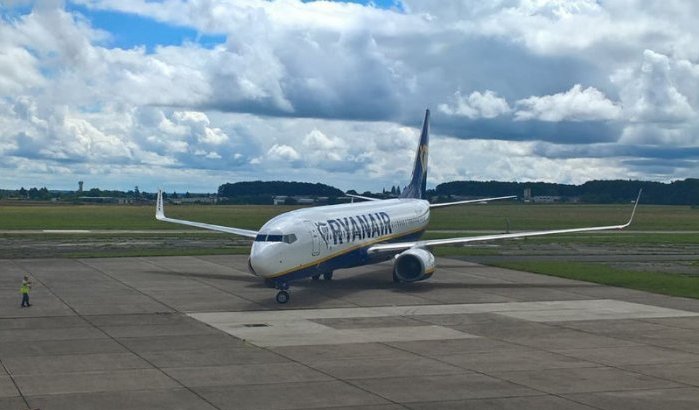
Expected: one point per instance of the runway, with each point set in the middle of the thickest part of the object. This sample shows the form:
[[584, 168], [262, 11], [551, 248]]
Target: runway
[[202, 333]]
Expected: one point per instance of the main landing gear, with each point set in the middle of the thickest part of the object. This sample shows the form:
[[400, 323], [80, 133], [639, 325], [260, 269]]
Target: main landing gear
[[326, 276], [283, 294]]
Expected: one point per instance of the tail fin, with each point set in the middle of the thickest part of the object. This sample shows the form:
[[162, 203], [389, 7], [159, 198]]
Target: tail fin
[[418, 182]]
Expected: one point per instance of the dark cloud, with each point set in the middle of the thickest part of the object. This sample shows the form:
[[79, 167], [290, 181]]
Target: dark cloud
[[562, 132]]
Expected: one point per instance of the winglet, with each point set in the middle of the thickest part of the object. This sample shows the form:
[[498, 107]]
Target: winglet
[[634, 208], [159, 211]]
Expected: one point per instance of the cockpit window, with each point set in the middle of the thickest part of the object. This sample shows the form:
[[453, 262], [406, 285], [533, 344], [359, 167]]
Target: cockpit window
[[290, 238]]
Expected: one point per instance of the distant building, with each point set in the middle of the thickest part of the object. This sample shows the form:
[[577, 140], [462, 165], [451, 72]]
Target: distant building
[[104, 200], [279, 200], [197, 200], [299, 200], [546, 199]]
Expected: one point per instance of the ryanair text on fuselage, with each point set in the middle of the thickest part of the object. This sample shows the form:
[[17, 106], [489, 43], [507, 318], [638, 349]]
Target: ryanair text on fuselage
[[352, 228]]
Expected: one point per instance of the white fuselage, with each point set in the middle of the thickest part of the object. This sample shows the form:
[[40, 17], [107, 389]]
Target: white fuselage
[[305, 242]]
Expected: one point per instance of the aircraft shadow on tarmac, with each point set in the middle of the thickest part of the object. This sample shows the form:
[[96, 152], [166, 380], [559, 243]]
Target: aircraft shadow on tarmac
[[222, 276]]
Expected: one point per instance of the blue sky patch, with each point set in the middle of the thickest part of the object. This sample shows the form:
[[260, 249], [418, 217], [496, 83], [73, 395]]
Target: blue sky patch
[[130, 30], [381, 4]]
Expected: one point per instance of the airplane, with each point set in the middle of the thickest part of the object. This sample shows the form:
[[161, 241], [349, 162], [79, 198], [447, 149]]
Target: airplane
[[311, 242]]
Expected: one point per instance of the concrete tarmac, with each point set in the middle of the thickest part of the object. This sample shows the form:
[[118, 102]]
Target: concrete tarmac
[[202, 333]]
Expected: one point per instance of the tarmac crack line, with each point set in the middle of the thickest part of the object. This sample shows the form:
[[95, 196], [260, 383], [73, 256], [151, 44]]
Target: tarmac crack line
[[560, 396], [599, 365], [198, 280], [638, 371], [347, 382], [115, 340], [14, 382], [24, 399]]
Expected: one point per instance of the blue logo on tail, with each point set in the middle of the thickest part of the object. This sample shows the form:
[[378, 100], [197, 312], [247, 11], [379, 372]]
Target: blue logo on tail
[[418, 182]]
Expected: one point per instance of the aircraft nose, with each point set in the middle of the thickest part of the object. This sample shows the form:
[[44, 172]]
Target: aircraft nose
[[263, 259]]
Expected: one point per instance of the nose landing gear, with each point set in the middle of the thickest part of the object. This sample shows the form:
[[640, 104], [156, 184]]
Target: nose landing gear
[[282, 297], [283, 294]]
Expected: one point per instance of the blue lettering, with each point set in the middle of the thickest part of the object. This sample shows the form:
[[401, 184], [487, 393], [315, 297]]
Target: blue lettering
[[345, 227], [335, 228], [380, 223], [374, 227], [386, 222], [356, 232], [364, 224]]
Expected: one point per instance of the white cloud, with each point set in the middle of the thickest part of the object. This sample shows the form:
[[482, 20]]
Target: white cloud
[[316, 140], [281, 152], [309, 76], [649, 93], [476, 105], [576, 104]]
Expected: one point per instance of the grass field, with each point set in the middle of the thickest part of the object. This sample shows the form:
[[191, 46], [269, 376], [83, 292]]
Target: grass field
[[668, 284], [544, 216], [131, 217], [472, 217]]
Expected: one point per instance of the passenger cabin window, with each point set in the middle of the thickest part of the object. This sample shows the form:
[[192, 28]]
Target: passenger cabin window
[[291, 238]]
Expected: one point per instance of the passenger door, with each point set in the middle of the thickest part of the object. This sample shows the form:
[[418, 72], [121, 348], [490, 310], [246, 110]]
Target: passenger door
[[315, 236]]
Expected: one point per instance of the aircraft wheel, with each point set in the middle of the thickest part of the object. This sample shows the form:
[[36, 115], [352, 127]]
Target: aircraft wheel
[[315, 277], [328, 276], [282, 296]]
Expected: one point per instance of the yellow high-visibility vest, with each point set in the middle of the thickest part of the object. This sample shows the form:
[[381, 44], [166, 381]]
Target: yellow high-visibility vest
[[25, 288]]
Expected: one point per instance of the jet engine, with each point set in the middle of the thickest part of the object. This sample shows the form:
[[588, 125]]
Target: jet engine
[[413, 265]]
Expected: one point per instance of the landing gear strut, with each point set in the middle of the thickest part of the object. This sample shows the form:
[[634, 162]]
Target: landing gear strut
[[283, 294]]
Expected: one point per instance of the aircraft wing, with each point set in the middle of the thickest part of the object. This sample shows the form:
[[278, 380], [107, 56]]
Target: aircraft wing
[[368, 198], [471, 201], [468, 201], [160, 215], [399, 246]]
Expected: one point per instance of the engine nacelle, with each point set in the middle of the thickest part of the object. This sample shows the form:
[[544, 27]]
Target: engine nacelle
[[413, 265]]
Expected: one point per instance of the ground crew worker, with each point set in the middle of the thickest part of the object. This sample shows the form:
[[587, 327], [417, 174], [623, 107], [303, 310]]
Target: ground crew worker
[[24, 290]]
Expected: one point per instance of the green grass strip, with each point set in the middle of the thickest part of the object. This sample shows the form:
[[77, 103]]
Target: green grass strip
[[667, 284]]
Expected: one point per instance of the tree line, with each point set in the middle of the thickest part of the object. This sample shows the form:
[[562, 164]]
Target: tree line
[[681, 192], [263, 192]]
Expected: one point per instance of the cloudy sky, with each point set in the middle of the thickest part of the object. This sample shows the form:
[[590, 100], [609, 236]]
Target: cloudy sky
[[190, 94]]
